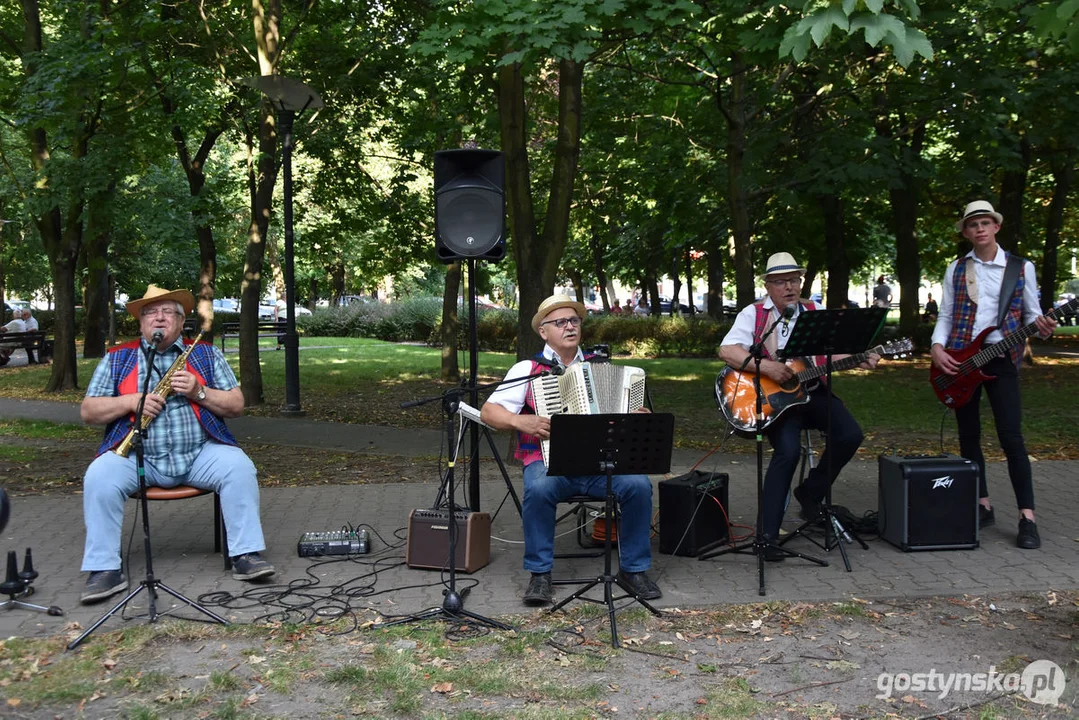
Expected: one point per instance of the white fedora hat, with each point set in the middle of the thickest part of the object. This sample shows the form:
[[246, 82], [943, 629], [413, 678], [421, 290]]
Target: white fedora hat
[[976, 208], [782, 262]]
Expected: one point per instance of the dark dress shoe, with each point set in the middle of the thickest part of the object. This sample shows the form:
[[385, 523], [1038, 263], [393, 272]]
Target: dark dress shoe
[[1028, 538], [539, 590], [641, 585], [986, 516], [811, 509]]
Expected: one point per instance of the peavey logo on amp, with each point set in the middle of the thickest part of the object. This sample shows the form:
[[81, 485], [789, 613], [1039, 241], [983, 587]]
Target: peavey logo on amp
[[943, 482]]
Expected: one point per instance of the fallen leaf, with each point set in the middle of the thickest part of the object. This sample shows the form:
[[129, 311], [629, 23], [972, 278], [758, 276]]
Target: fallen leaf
[[443, 687], [14, 702]]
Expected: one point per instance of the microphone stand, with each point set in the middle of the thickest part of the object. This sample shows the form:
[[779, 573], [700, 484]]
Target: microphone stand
[[151, 584], [761, 544]]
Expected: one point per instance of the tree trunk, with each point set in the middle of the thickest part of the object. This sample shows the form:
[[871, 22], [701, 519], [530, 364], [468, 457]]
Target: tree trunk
[[689, 280], [715, 280], [96, 306], [736, 194], [1012, 235], [337, 282], [262, 176], [595, 240], [835, 244], [1063, 170], [538, 255], [451, 324]]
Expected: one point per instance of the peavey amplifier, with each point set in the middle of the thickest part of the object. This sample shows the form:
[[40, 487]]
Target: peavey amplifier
[[928, 502], [690, 514], [429, 540]]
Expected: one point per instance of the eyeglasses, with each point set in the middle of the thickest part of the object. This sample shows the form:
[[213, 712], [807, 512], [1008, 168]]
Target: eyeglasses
[[166, 311], [561, 323], [786, 282]]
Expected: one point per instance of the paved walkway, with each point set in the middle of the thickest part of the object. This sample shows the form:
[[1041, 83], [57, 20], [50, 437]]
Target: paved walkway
[[184, 558]]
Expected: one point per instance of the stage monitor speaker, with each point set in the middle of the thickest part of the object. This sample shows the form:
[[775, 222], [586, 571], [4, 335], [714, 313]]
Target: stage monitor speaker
[[690, 514], [470, 207], [429, 540], [928, 502]]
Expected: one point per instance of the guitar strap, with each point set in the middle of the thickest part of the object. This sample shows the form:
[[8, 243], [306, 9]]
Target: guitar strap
[[1007, 284]]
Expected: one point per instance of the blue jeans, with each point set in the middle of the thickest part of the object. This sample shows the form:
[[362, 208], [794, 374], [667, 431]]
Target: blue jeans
[[785, 436], [539, 509], [111, 479]]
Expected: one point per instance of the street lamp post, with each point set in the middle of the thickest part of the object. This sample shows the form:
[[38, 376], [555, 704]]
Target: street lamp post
[[290, 98]]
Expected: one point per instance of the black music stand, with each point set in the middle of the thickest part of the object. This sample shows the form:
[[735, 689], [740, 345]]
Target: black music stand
[[829, 332], [631, 444]]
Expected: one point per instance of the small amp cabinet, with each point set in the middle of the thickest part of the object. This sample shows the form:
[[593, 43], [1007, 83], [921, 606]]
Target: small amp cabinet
[[928, 502], [429, 540], [692, 511]]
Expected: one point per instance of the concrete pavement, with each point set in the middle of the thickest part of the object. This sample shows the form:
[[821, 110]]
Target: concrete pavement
[[183, 555]]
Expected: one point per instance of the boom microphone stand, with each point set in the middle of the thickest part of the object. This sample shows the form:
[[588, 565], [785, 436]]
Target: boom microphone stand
[[761, 544], [151, 583]]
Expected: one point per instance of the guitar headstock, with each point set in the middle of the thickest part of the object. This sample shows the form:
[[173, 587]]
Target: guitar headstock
[[894, 349]]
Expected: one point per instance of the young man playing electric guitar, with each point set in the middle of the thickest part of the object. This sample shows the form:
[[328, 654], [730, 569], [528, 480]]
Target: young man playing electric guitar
[[971, 305], [783, 282]]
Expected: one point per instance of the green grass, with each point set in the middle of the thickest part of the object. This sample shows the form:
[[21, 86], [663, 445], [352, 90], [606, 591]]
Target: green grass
[[45, 430], [364, 381]]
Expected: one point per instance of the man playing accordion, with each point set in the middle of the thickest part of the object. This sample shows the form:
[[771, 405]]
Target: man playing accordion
[[513, 407]]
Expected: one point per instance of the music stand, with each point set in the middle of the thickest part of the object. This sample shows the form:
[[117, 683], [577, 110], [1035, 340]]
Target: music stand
[[631, 444], [830, 332]]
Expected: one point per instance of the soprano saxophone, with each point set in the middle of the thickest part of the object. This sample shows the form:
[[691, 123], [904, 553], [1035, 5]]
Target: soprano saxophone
[[164, 389]]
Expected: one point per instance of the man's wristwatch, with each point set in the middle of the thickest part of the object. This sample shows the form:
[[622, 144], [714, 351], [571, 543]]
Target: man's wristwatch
[[201, 395]]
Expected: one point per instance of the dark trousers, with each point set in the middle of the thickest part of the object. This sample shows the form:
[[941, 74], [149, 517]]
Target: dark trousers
[[785, 436], [1007, 405]]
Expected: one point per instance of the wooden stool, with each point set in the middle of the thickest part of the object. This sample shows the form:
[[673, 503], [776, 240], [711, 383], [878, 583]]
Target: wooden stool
[[183, 492]]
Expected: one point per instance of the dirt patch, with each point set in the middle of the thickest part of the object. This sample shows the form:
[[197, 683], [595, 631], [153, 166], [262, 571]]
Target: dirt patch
[[845, 660]]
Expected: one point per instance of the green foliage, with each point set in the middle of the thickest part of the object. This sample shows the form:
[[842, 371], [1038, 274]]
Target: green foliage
[[849, 17]]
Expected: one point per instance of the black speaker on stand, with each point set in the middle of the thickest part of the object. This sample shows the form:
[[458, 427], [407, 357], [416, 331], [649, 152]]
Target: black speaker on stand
[[470, 205]]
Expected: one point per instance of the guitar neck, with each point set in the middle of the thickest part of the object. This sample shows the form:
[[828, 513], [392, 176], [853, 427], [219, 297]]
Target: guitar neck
[[851, 361], [1019, 336]]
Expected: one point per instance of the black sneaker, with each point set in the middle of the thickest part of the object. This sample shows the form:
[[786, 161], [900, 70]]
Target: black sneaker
[[641, 585], [986, 516], [1028, 538], [102, 584], [250, 567], [539, 590]]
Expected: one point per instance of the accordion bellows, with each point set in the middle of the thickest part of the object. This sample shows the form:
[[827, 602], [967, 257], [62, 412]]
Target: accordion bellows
[[588, 389]]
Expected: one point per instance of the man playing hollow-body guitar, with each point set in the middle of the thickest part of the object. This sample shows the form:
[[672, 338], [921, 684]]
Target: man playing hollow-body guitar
[[783, 280]]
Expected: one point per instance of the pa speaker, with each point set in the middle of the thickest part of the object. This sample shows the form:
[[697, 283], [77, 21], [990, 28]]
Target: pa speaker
[[692, 512], [428, 543], [928, 503], [470, 206]]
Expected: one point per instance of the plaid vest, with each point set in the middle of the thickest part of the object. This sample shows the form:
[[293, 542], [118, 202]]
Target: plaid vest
[[965, 308], [124, 369], [528, 446], [760, 326]]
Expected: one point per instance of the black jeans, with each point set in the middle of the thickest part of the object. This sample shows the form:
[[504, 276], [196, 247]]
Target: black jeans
[[785, 436], [1004, 399]]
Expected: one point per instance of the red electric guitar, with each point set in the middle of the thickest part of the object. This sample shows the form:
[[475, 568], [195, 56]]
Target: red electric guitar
[[956, 390]]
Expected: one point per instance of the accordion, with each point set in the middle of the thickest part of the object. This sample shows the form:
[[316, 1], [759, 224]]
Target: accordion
[[588, 389]]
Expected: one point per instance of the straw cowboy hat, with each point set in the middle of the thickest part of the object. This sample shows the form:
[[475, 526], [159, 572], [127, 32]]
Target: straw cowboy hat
[[976, 208], [782, 262], [553, 303], [155, 294]]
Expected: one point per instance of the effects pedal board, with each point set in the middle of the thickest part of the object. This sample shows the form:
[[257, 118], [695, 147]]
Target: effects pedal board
[[333, 542]]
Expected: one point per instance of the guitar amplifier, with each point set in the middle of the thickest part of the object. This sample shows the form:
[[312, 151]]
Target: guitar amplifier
[[690, 518], [429, 540], [928, 502]]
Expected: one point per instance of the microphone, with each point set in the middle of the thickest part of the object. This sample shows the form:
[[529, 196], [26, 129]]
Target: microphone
[[157, 337], [788, 312], [557, 370]]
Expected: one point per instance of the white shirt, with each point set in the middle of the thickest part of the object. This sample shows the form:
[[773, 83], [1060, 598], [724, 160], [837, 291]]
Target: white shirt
[[15, 326], [511, 395], [31, 324], [741, 332], [988, 276]]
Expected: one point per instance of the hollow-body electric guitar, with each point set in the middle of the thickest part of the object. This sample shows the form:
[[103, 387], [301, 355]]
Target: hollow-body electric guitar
[[956, 390], [737, 396]]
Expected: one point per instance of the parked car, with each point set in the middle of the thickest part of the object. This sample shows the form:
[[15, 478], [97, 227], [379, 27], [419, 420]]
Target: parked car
[[665, 307], [349, 300], [226, 305], [282, 309]]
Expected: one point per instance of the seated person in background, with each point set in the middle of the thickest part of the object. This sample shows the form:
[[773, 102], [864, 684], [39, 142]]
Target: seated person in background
[[186, 444], [616, 309], [31, 326], [882, 294], [931, 309], [15, 326], [512, 407], [642, 308], [783, 280]]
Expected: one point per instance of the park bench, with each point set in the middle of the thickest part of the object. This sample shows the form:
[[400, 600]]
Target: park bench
[[30, 341], [275, 328]]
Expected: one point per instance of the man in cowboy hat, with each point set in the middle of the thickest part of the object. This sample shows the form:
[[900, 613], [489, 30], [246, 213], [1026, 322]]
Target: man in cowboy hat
[[511, 407], [783, 282], [187, 443], [971, 303]]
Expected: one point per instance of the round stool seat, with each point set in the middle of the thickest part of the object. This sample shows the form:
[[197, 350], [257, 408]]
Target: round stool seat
[[180, 492]]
